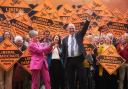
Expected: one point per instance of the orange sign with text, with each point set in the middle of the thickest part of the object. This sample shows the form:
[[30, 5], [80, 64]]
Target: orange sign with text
[[76, 20], [20, 27], [110, 60], [65, 12], [9, 54], [14, 6], [25, 60], [118, 29]]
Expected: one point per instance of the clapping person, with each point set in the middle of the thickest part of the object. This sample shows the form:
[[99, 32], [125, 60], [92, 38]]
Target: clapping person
[[38, 64], [56, 67], [20, 76]]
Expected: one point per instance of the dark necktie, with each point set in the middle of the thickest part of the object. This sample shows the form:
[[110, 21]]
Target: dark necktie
[[72, 45]]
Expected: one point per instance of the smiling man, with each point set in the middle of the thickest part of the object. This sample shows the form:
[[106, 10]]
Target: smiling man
[[74, 55]]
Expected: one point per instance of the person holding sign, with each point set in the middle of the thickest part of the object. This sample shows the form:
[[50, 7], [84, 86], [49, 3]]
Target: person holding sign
[[20, 76], [6, 76], [122, 48], [38, 64], [103, 78], [73, 56]]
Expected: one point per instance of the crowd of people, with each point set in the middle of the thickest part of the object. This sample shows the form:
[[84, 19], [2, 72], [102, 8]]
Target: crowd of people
[[60, 63]]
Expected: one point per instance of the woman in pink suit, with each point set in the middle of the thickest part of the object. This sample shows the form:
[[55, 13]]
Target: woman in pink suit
[[38, 64]]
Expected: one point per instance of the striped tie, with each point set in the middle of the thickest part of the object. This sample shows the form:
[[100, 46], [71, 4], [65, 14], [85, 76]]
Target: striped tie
[[72, 45]]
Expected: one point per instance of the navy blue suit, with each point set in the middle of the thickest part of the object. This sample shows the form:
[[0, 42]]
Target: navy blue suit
[[75, 71]]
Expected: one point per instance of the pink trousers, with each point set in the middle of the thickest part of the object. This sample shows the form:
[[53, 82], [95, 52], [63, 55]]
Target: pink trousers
[[43, 74]]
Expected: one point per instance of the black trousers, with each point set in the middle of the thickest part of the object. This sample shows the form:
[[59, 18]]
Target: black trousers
[[106, 81], [57, 75], [76, 74]]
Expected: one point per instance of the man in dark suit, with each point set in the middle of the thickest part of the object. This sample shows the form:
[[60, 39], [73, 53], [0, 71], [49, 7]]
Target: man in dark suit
[[74, 54]]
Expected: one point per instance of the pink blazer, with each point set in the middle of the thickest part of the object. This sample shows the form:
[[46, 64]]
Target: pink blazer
[[38, 57]]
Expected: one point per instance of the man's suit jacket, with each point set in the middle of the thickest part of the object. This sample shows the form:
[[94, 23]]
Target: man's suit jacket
[[79, 38]]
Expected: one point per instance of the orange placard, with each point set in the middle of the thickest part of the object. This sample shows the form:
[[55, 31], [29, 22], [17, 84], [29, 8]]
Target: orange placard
[[105, 30], [88, 5], [14, 6], [87, 40], [117, 25], [118, 33], [15, 3], [41, 18], [106, 13], [77, 21], [20, 27], [10, 15], [118, 29], [47, 19], [24, 18], [116, 12], [57, 23], [93, 31], [65, 12], [46, 5], [5, 24], [85, 13], [46, 10], [126, 14], [1, 2], [99, 8], [1, 33], [109, 31], [9, 54], [25, 60], [110, 60], [54, 15], [84, 16], [26, 53]]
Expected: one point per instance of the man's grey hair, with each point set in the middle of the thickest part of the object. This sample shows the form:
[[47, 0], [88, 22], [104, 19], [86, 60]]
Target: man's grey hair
[[33, 33], [70, 25]]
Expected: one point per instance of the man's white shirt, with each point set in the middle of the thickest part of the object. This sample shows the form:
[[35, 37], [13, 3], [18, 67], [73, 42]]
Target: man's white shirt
[[75, 46]]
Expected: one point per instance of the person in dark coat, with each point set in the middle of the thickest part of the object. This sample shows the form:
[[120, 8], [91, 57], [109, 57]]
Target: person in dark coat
[[56, 67], [73, 55], [20, 76]]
